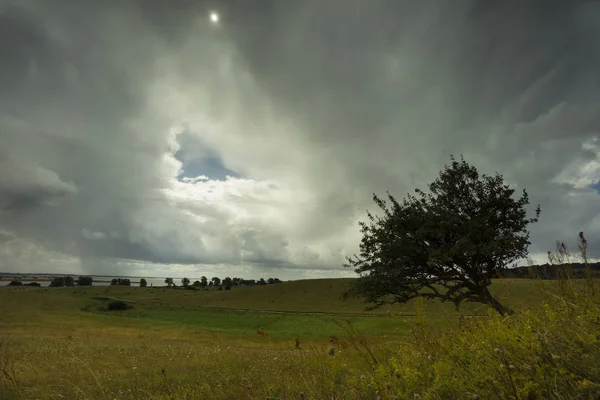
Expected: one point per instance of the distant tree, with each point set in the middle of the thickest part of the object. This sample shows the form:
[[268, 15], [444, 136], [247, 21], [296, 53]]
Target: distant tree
[[120, 282], [143, 283], [236, 281], [84, 281], [203, 281], [261, 281], [32, 284], [196, 284], [227, 283], [62, 281], [270, 281], [169, 281], [185, 282], [15, 283], [210, 283], [216, 281], [444, 245]]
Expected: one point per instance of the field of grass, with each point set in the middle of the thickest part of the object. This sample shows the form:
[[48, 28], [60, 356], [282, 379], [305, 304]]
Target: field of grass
[[178, 344]]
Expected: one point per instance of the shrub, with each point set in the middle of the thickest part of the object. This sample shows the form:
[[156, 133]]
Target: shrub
[[32, 284], [143, 283], [117, 305], [15, 283]]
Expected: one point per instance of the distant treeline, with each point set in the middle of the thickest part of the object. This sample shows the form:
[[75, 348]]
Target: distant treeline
[[216, 282], [549, 271]]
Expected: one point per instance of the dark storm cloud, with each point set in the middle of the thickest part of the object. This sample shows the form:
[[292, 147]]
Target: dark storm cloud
[[311, 106]]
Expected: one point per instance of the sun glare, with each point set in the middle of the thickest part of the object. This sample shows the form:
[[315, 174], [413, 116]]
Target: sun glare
[[214, 17]]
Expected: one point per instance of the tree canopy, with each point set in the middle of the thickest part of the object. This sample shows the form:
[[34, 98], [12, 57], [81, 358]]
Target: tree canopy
[[446, 244], [62, 281], [84, 281]]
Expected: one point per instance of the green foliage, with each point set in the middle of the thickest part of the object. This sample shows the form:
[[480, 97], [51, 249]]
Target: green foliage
[[62, 281], [117, 305], [169, 281], [216, 281], [549, 352], [227, 283], [143, 283], [15, 283], [120, 282], [84, 281], [185, 282], [446, 244]]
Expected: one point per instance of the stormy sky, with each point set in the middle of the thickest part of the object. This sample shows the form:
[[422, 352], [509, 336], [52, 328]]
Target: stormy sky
[[138, 137]]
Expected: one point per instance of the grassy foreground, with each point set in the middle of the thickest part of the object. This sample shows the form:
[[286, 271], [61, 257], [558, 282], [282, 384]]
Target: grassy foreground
[[175, 344]]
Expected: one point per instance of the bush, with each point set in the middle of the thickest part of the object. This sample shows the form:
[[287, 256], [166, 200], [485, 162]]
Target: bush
[[32, 284], [143, 282], [117, 305], [120, 282], [15, 283]]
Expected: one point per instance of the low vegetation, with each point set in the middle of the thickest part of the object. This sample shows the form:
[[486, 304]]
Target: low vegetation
[[117, 305]]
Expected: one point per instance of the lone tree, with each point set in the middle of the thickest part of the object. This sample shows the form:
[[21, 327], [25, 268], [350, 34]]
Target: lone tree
[[169, 281], [185, 282], [143, 282], [446, 244]]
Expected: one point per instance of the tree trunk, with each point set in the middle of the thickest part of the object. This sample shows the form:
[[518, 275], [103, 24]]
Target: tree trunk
[[489, 299]]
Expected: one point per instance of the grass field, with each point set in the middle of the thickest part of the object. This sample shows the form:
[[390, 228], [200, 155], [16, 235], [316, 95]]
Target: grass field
[[63, 343]]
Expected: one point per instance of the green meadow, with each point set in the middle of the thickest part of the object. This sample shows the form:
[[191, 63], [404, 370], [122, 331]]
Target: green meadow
[[63, 343]]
